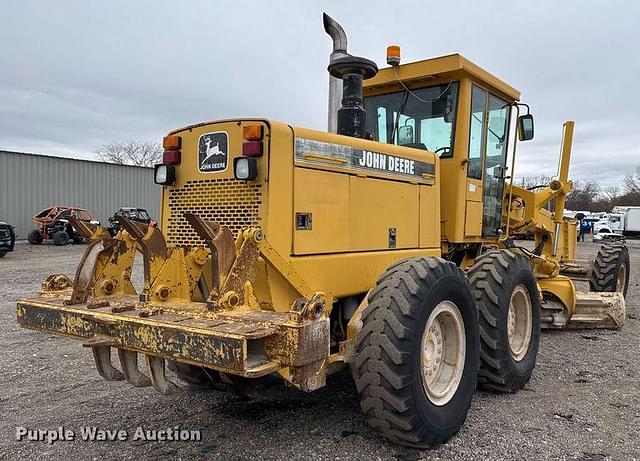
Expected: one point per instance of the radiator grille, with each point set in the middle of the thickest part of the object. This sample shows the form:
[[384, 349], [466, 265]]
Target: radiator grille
[[226, 201]]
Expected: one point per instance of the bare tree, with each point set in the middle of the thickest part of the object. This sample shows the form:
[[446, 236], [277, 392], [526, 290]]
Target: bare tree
[[611, 194], [584, 196], [534, 182], [632, 182], [139, 153]]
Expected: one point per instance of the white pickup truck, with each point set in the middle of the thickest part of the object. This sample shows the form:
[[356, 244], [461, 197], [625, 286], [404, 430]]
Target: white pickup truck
[[609, 224]]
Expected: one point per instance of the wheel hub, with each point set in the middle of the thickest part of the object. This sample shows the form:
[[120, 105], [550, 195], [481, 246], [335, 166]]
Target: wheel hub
[[519, 322], [443, 353]]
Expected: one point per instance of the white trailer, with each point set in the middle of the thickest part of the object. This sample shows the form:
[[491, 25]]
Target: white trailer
[[632, 222]]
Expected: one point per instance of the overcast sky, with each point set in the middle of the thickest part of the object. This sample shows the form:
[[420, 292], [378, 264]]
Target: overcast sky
[[77, 74]]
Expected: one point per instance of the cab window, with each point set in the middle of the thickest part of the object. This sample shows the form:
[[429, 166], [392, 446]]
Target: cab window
[[476, 134], [422, 118], [497, 124]]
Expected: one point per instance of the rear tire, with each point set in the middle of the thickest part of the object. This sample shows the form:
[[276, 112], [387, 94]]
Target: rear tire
[[60, 238], [610, 269], [411, 391], [3, 254], [505, 292], [35, 237]]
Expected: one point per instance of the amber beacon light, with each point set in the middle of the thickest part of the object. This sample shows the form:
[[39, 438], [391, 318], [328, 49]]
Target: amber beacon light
[[393, 55]]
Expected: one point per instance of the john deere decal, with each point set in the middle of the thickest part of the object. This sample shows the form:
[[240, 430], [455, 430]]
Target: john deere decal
[[213, 152]]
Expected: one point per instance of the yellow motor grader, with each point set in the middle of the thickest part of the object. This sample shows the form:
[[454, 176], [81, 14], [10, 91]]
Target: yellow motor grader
[[386, 244]]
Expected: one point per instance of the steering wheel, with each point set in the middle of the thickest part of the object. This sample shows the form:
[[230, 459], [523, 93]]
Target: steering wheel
[[444, 150]]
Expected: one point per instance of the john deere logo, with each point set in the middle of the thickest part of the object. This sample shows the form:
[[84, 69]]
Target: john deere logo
[[213, 151]]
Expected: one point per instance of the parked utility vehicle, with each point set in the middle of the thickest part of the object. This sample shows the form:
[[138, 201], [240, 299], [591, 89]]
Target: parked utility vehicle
[[54, 224]]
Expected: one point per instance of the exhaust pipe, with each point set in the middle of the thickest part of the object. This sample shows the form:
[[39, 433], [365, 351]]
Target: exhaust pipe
[[339, 37], [346, 74]]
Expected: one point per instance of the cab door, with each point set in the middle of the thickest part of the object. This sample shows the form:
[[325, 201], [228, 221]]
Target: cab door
[[477, 134], [497, 136], [488, 137]]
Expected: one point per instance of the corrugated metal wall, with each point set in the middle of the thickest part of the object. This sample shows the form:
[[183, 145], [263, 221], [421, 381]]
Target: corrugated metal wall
[[30, 182]]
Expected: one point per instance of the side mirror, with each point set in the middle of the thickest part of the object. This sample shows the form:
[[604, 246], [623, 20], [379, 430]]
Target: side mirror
[[405, 135], [525, 127]]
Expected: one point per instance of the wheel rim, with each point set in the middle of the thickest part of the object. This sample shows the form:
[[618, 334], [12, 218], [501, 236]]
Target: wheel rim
[[443, 353], [519, 320], [622, 279]]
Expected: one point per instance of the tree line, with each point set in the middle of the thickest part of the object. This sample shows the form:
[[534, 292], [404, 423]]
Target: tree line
[[589, 195]]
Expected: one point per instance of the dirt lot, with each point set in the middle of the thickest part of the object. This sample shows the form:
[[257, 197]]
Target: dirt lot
[[583, 401]]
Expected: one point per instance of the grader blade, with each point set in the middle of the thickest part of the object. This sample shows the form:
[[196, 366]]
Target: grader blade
[[591, 310], [598, 310]]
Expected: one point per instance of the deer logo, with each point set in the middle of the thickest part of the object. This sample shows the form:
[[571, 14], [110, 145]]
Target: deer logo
[[212, 152]]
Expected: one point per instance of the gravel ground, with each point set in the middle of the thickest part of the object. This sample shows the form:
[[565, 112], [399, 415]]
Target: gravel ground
[[582, 402]]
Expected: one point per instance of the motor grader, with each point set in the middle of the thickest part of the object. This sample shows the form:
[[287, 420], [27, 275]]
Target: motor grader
[[385, 245]]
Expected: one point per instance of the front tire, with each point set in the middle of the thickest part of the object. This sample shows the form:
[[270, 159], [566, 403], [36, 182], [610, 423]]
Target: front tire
[[506, 294], [60, 238], [35, 237], [610, 270], [417, 354]]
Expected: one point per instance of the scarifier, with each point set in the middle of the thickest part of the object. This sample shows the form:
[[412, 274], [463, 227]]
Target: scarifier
[[386, 246]]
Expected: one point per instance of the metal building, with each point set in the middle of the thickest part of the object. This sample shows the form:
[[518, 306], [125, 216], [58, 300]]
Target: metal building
[[31, 182]]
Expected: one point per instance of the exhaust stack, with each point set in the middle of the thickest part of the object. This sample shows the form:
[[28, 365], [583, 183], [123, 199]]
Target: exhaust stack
[[347, 73], [339, 37]]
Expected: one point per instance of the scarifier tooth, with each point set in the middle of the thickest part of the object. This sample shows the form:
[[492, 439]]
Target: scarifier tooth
[[129, 363], [89, 230], [219, 239], [153, 246], [155, 365], [150, 238], [102, 356]]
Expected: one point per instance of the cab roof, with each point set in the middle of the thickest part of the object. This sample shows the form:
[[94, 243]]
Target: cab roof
[[454, 65]]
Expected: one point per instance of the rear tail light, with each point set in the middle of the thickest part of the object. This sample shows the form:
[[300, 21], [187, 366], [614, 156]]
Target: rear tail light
[[252, 149], [171, 157], [171, 154], [252, 134]]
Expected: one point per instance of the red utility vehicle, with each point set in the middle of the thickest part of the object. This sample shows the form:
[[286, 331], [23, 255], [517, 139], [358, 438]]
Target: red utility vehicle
[[53, 224]]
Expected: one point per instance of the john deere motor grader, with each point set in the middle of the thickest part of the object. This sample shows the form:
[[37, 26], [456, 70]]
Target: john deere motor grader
[[386, 246]]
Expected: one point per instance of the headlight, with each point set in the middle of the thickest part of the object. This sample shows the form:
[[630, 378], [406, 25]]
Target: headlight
[[164, 174], [245, 169]]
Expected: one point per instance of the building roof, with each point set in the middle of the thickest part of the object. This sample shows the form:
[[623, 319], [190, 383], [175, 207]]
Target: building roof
[[60, 157]]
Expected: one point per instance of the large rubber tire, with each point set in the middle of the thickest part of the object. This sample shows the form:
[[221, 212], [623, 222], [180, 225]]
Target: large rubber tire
[[60, 238], [494, 277], [387, 365], [34, 237], [3, 254], [612, 258]]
